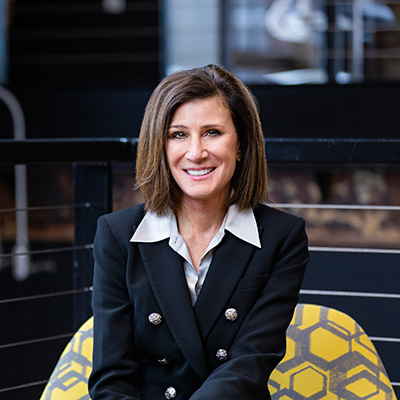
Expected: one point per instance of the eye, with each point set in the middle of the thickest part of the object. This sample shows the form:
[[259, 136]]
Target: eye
[[177, 135], [213, 132]]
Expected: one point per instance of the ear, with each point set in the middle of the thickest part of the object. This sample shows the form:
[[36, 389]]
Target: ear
[[239, 153]]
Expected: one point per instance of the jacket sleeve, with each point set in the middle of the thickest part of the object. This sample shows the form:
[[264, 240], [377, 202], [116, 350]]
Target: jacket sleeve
[[115, 372], [261, 340]]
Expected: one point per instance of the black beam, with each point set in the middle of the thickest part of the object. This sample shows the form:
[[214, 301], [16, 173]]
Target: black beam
[[279, 150], [93, 184], [32, 151], [333, 151]]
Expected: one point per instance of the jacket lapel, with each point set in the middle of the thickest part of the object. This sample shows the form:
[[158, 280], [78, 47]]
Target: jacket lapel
[[167, 279], [229, 262]]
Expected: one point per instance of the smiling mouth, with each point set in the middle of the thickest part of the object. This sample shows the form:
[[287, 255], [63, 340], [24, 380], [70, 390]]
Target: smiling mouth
[[200, 172]]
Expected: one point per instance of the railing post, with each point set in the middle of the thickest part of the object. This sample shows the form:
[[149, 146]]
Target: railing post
[[93, 188]]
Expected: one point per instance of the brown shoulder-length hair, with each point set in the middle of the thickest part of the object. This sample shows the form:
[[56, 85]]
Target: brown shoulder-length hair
[[153, 177]]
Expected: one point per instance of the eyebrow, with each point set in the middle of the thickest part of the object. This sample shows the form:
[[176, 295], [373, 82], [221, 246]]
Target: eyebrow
[[208, 126]]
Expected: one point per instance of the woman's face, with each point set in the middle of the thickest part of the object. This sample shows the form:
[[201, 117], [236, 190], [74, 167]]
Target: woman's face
[[202, 147]]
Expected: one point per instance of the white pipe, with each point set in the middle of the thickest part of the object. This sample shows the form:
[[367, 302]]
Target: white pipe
[[3, 39], [357, 68], [20, 263]]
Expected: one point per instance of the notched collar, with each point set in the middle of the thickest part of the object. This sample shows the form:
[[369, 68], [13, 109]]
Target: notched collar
[[154, 228]]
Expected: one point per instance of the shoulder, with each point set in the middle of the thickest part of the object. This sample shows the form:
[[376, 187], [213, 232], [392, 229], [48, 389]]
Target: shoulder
[[268, 215], [122, 222], [277, 224], [281, 230], [132, 215]]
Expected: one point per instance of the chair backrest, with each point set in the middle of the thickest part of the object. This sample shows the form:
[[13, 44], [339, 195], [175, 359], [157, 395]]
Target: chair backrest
[[69, 378], [328, 357]]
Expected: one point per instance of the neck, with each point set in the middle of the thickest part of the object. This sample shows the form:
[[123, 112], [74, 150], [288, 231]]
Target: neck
[[199, 217]]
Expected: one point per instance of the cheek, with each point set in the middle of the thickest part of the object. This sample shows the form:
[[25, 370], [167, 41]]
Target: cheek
[[170, 154], [167, 149], [175, 149], [233, 155]]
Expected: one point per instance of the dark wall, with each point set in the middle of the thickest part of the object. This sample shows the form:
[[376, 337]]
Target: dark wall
[[365, 111], [73, 41], [361, 276]]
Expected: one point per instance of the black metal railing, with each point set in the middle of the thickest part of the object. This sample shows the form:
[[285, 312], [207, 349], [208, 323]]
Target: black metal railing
[[299, 151], [92, 161]]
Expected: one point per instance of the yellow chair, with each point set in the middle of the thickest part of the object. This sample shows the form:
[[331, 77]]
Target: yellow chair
[[69, 378], [329, 357]]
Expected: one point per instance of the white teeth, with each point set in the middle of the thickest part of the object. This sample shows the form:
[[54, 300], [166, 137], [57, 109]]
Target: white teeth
[[199, 172]]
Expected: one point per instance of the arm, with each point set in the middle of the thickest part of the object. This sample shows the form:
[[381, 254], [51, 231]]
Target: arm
[[260, 342], [115, 372]]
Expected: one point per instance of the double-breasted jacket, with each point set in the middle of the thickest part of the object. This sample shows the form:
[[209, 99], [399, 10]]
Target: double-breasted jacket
[[151, 343]]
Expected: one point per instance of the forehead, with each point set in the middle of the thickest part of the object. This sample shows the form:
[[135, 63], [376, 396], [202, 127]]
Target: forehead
[[210, 107]]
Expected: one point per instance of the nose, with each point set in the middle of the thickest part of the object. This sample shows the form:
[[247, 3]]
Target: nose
[[197, 150]]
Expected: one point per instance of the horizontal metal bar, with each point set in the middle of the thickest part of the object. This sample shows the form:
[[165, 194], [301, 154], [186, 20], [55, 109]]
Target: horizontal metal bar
[[384, 339], [46, 59], [353, 250], [336, 206], [86, 33], [348, 2], [47, 295], [79, 8], [279, 150], [47, 251], [350, 294], [24, 386], [33, 341], [46, 208]]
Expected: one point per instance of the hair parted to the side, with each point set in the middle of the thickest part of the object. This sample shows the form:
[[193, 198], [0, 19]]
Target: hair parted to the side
[[249, 182]]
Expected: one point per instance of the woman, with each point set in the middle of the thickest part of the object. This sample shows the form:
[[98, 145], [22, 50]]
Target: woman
[[194, 290]]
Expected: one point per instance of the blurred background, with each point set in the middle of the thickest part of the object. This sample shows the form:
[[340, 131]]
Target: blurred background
[[75, 76]]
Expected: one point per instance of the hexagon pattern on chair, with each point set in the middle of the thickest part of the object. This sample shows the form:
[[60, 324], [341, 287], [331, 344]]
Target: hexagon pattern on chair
[[328, 357], [69, 378]]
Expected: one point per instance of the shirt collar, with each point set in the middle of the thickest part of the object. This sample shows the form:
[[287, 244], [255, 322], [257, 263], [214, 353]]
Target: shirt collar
[[154, 228], [243, 225]]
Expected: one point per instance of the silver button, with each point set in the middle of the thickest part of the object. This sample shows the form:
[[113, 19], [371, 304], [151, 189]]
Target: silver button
[[222, 355], [231, 314], [155, 318], [170, 393], [163, 361]]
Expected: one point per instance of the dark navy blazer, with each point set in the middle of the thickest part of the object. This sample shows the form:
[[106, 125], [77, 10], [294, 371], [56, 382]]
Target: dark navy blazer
[[135, 359]]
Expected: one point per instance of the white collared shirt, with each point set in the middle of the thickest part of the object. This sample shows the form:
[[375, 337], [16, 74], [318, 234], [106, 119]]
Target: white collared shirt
[[154, 228]]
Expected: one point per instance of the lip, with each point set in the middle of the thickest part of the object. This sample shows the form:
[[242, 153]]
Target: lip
[[199, 173]]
